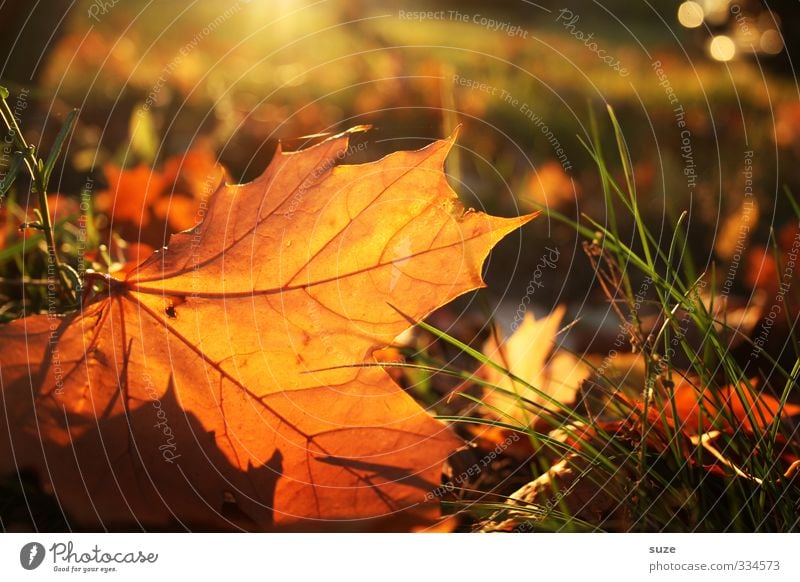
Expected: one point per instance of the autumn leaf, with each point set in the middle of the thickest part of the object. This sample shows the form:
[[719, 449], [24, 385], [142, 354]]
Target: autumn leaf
[[214, 387], [704, 410], [763, 271], [585, 489], [550, 186], [131, 193], [146, 204], [735, 230], [531, 355]]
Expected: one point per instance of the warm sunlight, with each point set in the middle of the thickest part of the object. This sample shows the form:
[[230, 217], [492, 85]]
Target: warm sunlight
[[328, 267]]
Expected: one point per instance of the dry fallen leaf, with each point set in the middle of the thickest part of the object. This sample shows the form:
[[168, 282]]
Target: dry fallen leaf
[[146, 204], [529, 354], [762, 271], [735, 230], [718, 409], [206, 388], [550, 186], [131, 194], [786, 124]]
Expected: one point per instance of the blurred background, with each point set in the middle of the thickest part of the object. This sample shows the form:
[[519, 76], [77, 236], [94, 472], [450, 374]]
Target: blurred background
[[524, 80]]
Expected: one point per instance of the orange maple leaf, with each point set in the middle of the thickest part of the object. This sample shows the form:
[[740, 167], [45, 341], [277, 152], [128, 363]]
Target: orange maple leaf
[[703, 410], [213, 387], [131, 193]]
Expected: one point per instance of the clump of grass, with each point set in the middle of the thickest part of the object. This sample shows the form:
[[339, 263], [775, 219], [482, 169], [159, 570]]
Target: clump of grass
[[35, 261], [627, 462]]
